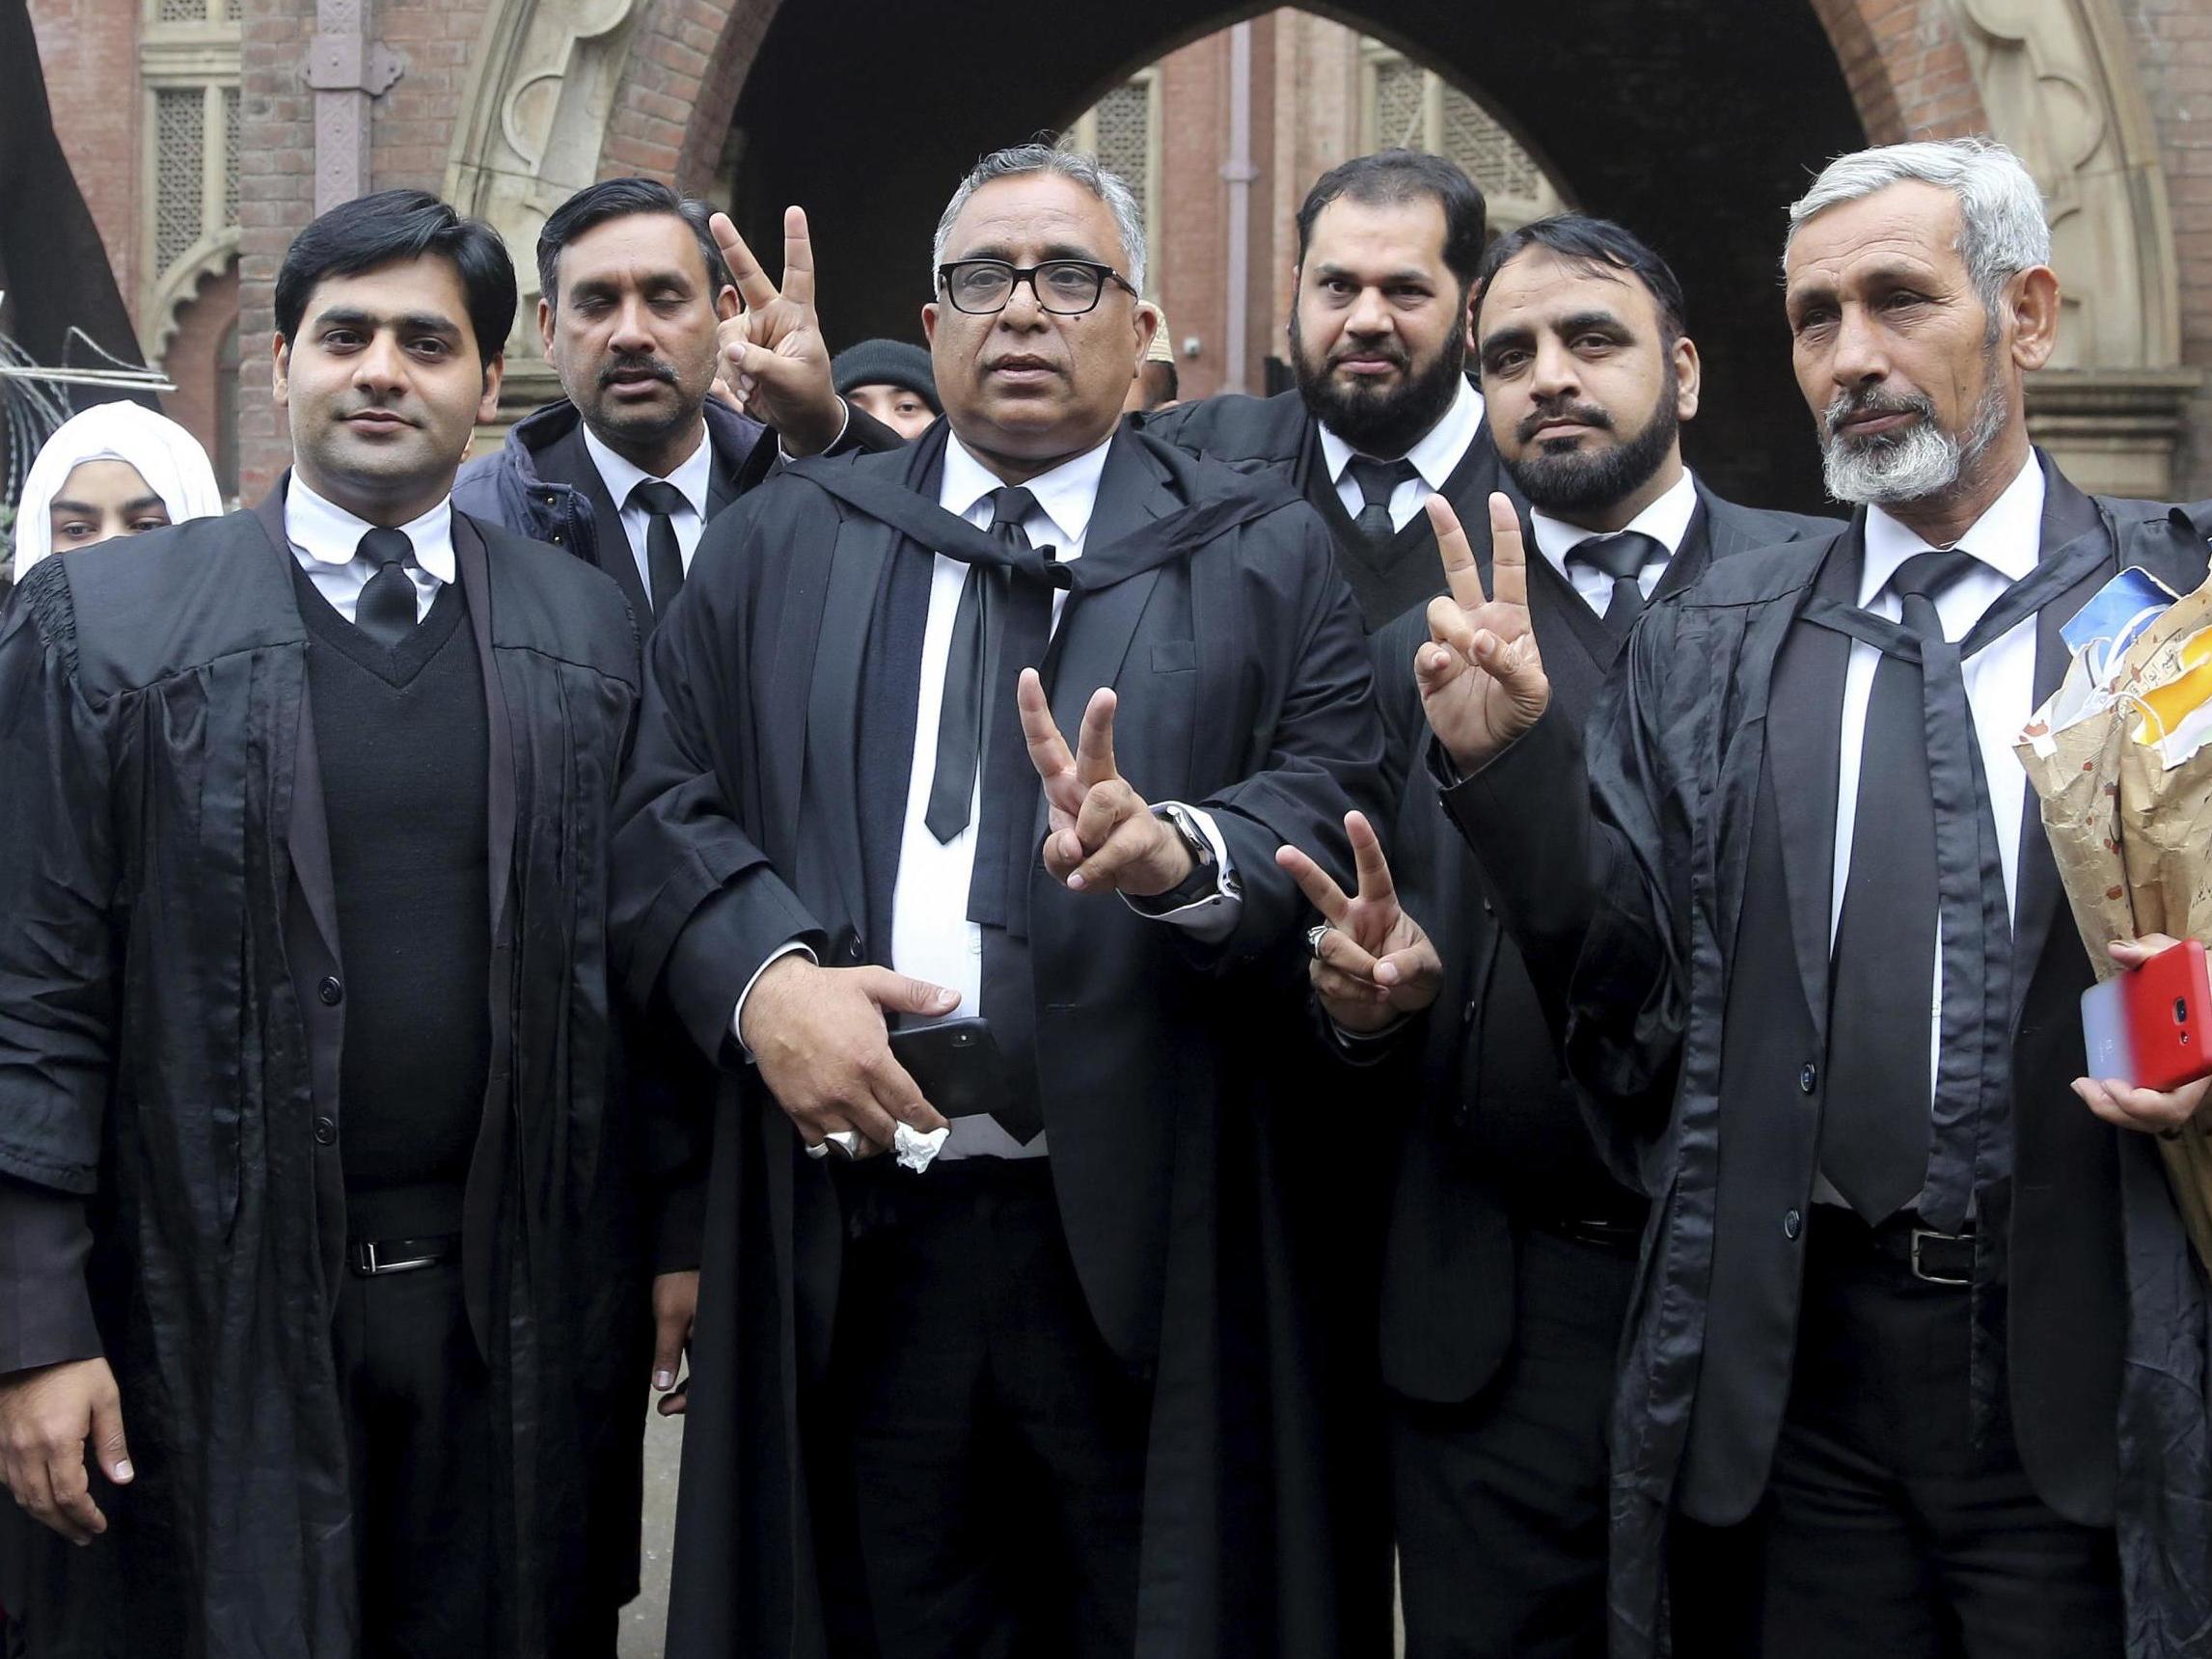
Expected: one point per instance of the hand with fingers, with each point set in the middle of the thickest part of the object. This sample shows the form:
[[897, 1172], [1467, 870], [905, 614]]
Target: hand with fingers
[[52, 1419], [773, 352], [675, 1306], [1372, 963], [2152, 1111], [1100, 836], [818, 1037], [1482, 678]]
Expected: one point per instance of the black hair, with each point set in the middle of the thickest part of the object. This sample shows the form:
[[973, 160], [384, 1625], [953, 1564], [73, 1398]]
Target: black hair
[[371, 232], [1596, 245], [1394, 175], [596, 204]]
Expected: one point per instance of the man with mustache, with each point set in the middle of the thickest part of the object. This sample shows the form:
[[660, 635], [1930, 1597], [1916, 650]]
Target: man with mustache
[[1044, 1395], [319, 1270], [1383, 414], [1510, 1249], [1916, 1356]]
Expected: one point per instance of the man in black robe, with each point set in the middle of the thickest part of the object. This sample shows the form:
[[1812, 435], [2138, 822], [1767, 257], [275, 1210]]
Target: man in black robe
[[1917, 1361], [1510, 1250], [315, 1216], [1043, 1396], [1383, 414]]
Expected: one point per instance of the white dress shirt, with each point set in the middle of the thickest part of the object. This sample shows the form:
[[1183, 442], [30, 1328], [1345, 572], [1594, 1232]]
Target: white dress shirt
[[692, 479], [932, 938], [326, 540], [2005, 542], [1434, 457], [1666, 521]]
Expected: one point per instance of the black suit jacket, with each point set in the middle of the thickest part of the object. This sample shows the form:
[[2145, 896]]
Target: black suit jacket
[[1693, 967], [1494, 1130]]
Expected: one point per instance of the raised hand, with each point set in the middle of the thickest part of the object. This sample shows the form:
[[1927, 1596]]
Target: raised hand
[[1101, 835], [1372, 964], [773, 353], [1482, 678], [2152, 1111]]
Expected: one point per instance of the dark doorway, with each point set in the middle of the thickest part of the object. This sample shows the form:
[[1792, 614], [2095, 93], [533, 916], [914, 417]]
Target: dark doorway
[[1693, 121]]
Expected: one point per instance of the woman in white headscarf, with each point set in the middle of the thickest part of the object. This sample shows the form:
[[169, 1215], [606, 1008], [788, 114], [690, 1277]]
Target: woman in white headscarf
[[117, 469]]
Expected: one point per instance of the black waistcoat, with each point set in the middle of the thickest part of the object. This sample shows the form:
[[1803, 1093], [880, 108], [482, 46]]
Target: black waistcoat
[[403, 736]]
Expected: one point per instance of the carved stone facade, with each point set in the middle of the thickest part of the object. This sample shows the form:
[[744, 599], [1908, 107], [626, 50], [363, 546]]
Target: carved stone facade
[[510, 104]]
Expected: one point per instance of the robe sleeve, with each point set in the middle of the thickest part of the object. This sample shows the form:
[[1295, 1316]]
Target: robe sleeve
[[58, 980], [45, 1307], [1325, 753], [1576, 847], [697, 907]]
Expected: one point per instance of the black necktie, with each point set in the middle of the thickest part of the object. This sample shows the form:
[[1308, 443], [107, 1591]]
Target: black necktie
[[1622, 556], [1020, 637], [664, 557], [1877, 1127], [960, 720], [1377, 483], [385, 607]]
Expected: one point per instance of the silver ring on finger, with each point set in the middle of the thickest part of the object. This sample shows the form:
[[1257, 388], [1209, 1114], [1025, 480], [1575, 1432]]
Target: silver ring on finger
[[1315, 934]]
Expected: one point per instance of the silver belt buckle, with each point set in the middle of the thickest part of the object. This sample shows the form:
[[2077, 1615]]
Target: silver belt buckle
[[370, 1266], [1919, 1235]]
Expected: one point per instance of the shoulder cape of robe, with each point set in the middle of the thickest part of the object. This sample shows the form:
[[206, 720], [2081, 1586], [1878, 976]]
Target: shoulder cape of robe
[[740, 826], [163, 1053]]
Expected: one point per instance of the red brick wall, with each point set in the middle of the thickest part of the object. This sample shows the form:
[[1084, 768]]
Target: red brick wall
[[411, 129], [202, 321], [89, 52], [275, 197], [1192, 260], [2172, 41]]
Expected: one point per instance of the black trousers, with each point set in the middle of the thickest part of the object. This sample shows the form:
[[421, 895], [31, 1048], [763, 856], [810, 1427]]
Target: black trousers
[[996, 1446], [419, 1423], [1886, 1529], [1499, 1501]]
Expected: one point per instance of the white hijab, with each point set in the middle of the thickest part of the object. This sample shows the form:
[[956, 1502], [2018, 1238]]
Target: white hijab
[[167, 456]]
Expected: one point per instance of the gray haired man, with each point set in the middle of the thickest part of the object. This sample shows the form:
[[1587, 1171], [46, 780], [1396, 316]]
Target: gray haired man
[[1916, 1366], [1014, 1401]]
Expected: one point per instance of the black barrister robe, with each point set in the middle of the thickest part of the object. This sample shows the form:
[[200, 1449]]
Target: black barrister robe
[[167, 1052], [1679, 906], [1244, 690]]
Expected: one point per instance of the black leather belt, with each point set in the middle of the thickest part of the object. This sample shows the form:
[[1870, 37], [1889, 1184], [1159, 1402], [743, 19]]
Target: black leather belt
[[372, 1258], [1933, 1258]]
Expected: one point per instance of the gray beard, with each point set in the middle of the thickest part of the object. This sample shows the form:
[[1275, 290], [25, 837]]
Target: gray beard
[[1925, 462]]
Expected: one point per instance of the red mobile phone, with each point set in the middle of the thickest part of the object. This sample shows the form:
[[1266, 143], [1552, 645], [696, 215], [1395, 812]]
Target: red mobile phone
[[2151, 1025]]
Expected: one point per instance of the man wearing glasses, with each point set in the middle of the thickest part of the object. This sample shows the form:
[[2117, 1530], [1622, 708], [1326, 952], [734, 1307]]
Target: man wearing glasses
[[991, 1404]]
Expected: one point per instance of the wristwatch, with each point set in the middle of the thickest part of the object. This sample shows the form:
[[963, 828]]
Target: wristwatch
[[1205, 878]]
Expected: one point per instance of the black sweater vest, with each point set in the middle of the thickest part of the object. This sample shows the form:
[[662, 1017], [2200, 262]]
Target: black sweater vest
[[405, 746]]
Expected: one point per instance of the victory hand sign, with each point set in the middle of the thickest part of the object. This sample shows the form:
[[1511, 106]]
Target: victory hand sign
[[773, 353], [1102, 838], [1372, 963], [1481, 676]]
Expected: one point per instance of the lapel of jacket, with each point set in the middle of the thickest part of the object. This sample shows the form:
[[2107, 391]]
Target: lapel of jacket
[[1096, 628], [1803, 739], [2068, 515], [568, 461], [307, 829], [828, 797], [473, 563]]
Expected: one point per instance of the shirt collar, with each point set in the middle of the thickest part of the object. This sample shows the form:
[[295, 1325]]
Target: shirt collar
[[1440, 449], [327, 533], [1066, 495], [1666, 521], [2008, 537], [693, 477]]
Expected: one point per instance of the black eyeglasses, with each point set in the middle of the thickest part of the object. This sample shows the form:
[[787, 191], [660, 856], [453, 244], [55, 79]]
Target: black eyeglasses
[[1065, 288]]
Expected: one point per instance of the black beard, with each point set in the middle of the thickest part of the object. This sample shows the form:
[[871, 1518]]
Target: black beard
[[1382, 424], [1574, 483]]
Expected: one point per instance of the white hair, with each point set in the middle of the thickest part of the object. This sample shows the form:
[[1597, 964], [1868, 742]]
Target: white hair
[[2001, 227], [1084, 169]]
